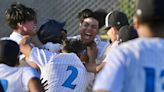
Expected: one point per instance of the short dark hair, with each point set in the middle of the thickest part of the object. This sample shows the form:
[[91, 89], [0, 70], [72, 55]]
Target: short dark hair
[[101, 17], [18, 13], [127, 33], [9, 52], [152, 15], [73, 45], [87, 13]]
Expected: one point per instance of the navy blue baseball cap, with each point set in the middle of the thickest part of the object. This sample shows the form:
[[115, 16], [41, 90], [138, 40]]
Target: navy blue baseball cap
[[150, 10], [50, 29]]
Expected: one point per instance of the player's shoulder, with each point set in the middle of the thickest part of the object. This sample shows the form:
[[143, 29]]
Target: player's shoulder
[[141, 44], [4, 68], [129, 48], [67, 56], [132, 49]]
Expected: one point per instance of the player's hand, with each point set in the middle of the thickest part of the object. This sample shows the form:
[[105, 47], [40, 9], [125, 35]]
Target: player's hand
[[92, 51], [84, 57], [25, 40]]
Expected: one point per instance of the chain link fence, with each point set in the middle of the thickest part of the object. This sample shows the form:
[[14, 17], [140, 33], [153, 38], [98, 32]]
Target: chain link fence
[[66, 10]]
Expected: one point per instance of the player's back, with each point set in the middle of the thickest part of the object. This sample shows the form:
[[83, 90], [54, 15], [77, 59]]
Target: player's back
[[144, 66], [13, 78], [65, 73]]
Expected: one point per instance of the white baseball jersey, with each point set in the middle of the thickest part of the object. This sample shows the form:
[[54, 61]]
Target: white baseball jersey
[[136, 66], [15, 79], [64, 72]]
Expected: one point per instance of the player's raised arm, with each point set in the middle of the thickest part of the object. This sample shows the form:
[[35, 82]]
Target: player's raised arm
[[26, 49], [25, 46]]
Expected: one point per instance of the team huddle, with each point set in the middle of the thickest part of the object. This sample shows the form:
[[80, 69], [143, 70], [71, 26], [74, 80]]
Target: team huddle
[[131, 60]]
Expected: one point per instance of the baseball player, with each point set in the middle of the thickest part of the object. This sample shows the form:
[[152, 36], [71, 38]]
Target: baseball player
[[89, 26], [13, 78], [22, 20], [113, 22], [138, 65], [64, 71], [51, 34]]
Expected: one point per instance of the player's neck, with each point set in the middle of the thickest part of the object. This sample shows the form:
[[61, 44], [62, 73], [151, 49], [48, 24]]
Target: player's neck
[[19, 31], [147, 32], [158, 34], [64, 51]]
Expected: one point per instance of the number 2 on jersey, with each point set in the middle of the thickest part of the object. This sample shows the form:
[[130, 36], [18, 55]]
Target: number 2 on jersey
[[71, 78], [151, 78], [4, 84]]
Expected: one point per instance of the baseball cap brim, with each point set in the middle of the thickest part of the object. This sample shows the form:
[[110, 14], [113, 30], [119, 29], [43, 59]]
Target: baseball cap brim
[[106, 27]]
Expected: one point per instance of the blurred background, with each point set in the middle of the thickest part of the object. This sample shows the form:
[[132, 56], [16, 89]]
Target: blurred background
[[66, 10]]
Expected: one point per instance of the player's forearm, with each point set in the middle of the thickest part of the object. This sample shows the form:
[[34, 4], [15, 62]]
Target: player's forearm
[[100, 66], [92, 51], [91, 67], [95, 68]]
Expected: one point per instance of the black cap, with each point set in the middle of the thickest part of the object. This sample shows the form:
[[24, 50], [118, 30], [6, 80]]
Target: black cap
[[9, 52], [116, 19], [127, 33], [150, 10], [50, 29]]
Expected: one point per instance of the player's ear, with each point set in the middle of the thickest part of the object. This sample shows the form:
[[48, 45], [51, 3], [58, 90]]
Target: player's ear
[[135, 22], [80, 24], [19, 25], [63, 49]]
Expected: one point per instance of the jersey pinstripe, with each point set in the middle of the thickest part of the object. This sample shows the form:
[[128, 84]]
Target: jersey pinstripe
[[64, 72], [16, 78], [136, 66]]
